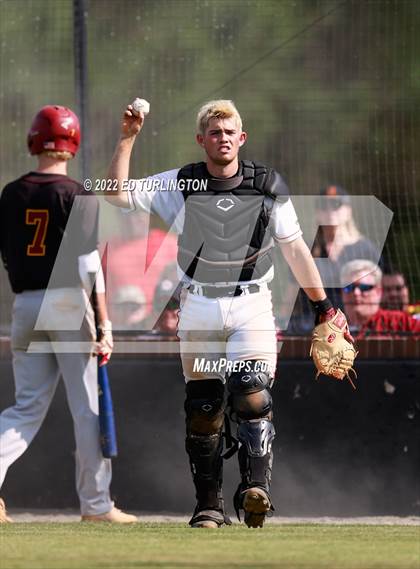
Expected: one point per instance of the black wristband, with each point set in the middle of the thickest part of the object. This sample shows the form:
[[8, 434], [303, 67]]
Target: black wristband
[[322, 306]]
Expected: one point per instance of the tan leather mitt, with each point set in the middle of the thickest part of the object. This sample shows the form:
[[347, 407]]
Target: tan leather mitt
[[331, 349]]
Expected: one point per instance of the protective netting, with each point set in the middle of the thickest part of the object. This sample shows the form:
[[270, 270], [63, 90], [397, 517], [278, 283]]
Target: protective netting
[[329, 92]]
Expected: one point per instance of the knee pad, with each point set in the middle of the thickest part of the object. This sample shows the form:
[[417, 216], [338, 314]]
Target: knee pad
[[250, 392], [205, 406]]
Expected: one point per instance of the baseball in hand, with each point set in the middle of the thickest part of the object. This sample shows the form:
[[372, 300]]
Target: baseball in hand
[[140, 105]]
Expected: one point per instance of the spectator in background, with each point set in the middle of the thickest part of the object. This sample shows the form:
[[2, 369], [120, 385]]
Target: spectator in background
[[340, 240], [338, 237], [395, 294], [362, 300], [136, 262], [128, 308], [166, 302]]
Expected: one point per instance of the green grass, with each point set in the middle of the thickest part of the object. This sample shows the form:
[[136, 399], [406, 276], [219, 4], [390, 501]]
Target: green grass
[[77, 546]]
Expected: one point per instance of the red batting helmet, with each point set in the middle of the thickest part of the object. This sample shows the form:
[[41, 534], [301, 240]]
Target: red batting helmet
[[54, 128]]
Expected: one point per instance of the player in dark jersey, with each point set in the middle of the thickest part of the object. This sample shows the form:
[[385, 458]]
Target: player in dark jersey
[[48, 240]]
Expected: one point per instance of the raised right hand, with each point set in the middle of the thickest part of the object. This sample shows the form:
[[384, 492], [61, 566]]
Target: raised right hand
[[131, 123]]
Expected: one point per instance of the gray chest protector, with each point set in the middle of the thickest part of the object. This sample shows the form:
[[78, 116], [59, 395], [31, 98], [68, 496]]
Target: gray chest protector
[[225, 237]]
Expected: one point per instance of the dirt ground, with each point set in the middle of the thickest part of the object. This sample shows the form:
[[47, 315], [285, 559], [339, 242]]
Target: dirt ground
[[22, 516]]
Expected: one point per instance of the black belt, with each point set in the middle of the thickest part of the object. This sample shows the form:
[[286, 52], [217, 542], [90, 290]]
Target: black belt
[[220, 291]]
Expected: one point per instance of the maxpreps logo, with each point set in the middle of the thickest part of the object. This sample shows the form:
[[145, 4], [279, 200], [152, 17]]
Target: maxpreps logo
[[223, 366], [225, 204]]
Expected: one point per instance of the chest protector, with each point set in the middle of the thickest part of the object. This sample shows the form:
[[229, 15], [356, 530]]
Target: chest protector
[[225, 237]]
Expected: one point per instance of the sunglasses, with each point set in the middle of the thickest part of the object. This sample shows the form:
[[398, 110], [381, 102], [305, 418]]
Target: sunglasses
[[362, 287]]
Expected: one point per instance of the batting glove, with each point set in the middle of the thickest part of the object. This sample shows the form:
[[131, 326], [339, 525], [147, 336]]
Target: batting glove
[[105, 344]]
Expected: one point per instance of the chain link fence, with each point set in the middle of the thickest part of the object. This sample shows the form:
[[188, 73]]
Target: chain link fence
[[329, 92]]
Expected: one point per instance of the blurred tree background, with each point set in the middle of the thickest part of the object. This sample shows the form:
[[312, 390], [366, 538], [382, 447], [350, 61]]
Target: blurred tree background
[[329, 91]]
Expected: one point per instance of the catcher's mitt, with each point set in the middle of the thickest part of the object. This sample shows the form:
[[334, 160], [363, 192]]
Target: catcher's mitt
[[333, 354]]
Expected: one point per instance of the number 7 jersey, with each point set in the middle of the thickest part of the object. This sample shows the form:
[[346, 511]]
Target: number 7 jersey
[[35, 233]]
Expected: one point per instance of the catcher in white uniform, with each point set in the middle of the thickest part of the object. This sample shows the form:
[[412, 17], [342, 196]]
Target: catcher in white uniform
[[226, 228]]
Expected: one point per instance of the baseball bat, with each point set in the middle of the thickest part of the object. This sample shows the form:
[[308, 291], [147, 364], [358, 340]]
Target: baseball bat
[[106, 415]]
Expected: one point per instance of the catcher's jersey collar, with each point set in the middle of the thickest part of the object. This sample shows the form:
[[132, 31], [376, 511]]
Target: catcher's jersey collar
[[224, 184]]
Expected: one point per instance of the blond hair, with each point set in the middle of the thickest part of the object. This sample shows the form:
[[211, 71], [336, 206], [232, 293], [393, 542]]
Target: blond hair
[[218, 109], [58, 154], [353, 268]]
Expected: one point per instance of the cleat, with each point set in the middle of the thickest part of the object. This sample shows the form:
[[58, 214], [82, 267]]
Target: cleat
[[210, 519], [256, 505], [209, 524], [115, 516], [4, 518]]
